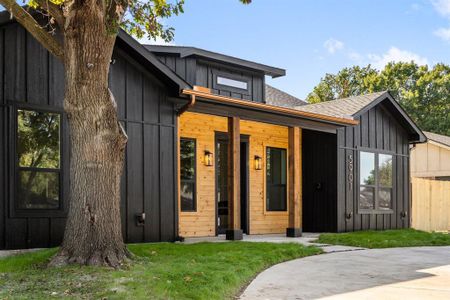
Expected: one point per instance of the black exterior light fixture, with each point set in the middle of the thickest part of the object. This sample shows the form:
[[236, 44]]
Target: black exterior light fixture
[[258, 162], [208, 158]]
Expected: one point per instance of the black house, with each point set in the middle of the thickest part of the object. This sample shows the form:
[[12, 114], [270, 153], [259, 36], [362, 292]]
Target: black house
[[190, 114]]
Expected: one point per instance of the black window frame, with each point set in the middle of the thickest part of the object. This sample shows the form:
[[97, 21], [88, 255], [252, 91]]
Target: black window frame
[[15, 211], [376, 187], [231, 76], [192, 181], [267, 185]]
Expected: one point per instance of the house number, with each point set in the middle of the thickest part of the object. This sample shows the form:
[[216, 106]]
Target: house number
[[350, 173]]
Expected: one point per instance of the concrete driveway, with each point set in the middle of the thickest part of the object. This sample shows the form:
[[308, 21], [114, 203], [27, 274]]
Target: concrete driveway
[[396, 273]]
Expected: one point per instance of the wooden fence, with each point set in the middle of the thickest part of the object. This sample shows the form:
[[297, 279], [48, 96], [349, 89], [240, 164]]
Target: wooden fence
[[430, 204]]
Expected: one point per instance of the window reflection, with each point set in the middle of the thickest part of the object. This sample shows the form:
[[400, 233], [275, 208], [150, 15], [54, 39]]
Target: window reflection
[[276, 173], [187, 174], [38, 151], [375, 181]]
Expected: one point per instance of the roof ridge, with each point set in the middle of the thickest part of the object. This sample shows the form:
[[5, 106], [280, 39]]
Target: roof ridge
[[350, 97]]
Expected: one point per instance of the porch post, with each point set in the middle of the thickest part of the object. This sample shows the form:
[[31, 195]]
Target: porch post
[[295, 183], [234, 231]]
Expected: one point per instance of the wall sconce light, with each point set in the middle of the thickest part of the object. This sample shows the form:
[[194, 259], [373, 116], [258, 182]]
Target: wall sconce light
[[208, 158], [258, 162]]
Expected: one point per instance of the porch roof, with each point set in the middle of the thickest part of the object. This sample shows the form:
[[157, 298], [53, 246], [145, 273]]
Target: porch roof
[[206, 94]]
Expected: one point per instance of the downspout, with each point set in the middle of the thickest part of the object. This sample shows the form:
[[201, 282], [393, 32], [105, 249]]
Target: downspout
[[188, 105]]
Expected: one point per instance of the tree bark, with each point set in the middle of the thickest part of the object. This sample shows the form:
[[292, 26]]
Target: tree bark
[[93, 233]]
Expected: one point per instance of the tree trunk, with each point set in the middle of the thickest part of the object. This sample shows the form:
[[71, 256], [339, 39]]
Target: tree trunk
[[93, 233]]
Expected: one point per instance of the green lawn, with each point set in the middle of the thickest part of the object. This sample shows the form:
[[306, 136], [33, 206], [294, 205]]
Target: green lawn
[[158, 271], [386, 239]]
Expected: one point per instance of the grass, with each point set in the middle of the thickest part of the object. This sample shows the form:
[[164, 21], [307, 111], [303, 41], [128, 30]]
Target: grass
[[158, 271], [386, 239]]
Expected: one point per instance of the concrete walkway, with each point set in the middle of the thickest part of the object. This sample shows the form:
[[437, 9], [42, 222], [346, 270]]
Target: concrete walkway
[[307, 239], [396, 273], [6, 253]]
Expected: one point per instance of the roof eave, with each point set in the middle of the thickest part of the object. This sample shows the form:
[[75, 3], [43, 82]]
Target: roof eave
[[153, 60], [202, 93], [421, 138], [183, 52]]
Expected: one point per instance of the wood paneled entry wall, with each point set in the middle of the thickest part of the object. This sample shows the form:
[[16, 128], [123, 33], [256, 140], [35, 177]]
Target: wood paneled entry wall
[[203, 129]]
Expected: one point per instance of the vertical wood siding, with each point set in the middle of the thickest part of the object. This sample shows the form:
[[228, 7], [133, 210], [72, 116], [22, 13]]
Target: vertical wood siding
[[184, 67], [430, 160], [149, 179], [377, 130], [31, 76], [205, 77], [319, 167], [430, 204], [201, 73]]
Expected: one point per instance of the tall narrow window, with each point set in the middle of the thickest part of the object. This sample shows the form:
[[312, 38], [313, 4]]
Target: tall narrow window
[[384, 181], [367, 180], [375, 181], [38, 159], [187, 174], [276, 173]]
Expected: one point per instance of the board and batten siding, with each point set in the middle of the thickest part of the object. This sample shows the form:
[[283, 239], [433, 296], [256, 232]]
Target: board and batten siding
[[30, 79], [201, 73], [205, 77], [377, 130], [319, 181], [33, 78], [183, 67], [202, 128]]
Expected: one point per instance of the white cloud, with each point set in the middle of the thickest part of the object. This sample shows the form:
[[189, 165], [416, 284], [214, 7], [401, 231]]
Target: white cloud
[[443, 33], [333, 45], [396, 55], [442, 7], [355, 56]]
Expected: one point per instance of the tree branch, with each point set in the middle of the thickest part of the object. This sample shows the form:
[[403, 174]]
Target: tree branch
[[53, 9], [33, 27]]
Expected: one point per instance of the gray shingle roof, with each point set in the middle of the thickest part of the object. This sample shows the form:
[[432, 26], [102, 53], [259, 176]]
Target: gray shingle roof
[[438, 138], [342, 108], [277, 97]]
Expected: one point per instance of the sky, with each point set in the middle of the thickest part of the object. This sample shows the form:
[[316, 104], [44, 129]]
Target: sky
[[310, 38]]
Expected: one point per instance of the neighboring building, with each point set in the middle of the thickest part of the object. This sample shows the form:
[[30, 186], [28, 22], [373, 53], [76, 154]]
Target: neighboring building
[[212, 149], [430, 172], [432, 159]]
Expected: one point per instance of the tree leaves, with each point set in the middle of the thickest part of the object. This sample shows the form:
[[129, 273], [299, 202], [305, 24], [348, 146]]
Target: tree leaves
[[423, 92], [147, 18]]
